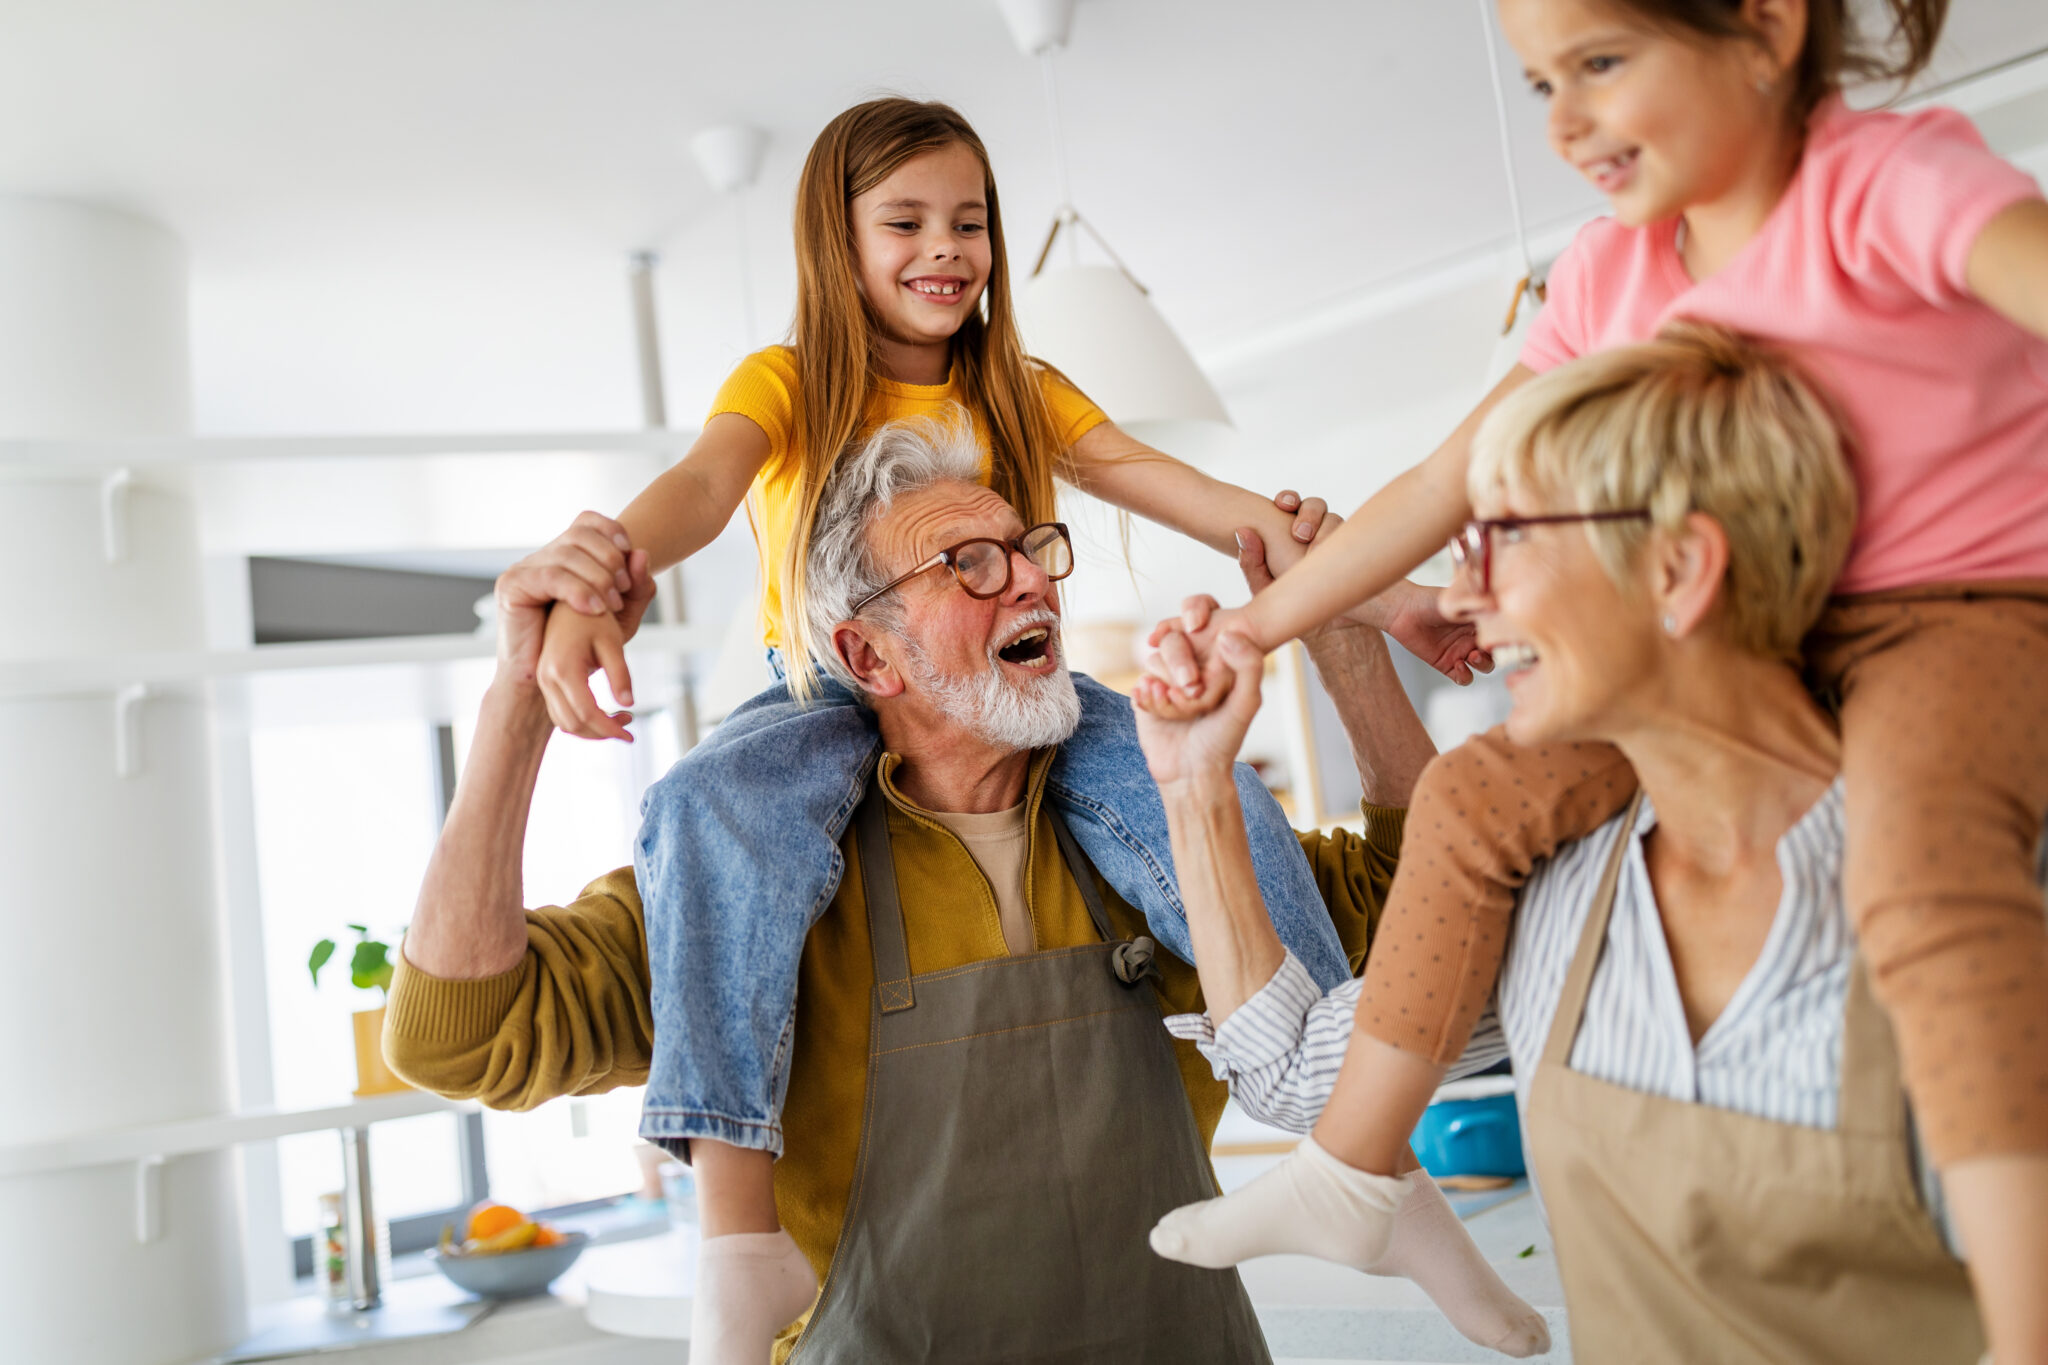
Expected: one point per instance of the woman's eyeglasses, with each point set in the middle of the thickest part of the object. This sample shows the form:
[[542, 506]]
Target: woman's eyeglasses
[[1472, 548], [982, 565]]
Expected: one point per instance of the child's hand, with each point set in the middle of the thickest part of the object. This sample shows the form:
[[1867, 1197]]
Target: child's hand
[[1408, 612], [574, 648], [1185, 660]]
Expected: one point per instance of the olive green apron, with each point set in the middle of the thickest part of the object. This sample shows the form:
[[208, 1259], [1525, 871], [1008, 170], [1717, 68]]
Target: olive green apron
[[1025, 1127], [1690, 1233]]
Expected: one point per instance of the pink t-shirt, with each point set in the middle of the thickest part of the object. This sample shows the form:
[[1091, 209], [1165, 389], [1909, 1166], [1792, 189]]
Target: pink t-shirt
[[1858, 272]]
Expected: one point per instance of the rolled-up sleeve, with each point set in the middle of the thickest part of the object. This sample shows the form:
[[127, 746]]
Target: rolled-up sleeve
[[1279, 1051], [572, 1018]]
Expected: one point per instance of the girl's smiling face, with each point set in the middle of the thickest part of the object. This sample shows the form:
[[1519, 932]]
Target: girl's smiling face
[[1658, 121], [921, 237]]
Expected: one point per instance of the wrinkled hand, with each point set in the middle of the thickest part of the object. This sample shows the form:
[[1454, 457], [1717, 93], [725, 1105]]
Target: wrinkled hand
[[588, 567], [1183, 745], [1310, 515], [1183, 658]]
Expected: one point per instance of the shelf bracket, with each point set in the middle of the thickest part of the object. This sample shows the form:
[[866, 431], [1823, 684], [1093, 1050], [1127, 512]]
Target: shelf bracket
[[149, 1199], [128, 729], [114, 514]]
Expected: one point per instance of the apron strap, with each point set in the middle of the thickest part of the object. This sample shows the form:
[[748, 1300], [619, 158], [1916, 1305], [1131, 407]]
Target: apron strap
[[1578, 982], [1084, 873], [1873, 1098], [885, 906]]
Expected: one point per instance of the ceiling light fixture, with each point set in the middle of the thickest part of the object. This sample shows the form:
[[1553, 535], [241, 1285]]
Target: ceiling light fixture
[[1096, 322]]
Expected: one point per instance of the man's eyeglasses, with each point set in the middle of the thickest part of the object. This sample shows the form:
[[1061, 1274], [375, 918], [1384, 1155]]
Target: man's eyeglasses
[[983, 564], [1472, 548]]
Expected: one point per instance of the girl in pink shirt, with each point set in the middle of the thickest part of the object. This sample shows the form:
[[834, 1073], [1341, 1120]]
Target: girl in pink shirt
[[1906, 267]]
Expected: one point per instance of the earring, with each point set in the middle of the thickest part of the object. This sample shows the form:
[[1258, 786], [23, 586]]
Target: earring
[[1670, 624], [1764, 85]]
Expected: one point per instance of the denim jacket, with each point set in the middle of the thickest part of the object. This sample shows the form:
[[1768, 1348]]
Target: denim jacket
[[739, 855]]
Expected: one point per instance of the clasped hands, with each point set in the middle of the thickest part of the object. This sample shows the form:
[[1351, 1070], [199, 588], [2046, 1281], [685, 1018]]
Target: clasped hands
[[565, 612], [606, 585], [1186, 675]]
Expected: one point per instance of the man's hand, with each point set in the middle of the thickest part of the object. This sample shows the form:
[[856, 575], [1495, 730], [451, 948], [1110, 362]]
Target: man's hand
[[574, 568], [1182, 744]]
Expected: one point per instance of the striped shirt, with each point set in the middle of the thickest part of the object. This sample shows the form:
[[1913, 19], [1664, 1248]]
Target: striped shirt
[[1775, 1052]]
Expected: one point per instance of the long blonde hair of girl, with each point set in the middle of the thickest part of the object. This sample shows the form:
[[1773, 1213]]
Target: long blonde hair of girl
[[836, 343]]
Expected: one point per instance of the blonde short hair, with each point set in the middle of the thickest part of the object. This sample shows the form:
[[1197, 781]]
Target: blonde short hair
[[1698, 420]]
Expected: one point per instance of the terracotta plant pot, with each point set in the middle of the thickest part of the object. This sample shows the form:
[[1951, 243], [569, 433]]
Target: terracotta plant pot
[[372, 1076]]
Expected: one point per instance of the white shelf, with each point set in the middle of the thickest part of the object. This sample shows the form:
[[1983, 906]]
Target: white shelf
[[138, 451], [210, 1134], [109, 672]]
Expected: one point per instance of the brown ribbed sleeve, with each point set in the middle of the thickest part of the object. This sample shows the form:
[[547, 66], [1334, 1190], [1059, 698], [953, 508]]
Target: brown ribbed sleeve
[[572, 1018], [1353, 873]]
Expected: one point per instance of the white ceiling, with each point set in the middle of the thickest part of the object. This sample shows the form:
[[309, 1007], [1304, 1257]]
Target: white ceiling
[[367, 187]]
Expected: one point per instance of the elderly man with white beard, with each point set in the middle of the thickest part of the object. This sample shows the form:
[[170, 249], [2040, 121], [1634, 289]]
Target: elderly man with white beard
[[984, 1115]]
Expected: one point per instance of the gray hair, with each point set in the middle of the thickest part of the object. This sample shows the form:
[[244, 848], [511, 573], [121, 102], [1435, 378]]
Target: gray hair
[[898, 459]]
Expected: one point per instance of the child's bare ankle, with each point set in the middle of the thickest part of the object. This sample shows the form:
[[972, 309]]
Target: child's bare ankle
[[1378, 1099], [735, 1188]]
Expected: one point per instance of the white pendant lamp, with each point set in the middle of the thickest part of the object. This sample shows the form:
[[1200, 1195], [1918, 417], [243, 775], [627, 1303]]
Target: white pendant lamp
[[1096, 322]]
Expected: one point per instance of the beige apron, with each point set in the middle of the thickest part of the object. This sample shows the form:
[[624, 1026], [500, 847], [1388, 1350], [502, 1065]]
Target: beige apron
[[1691, 1233], [1025, 1127]]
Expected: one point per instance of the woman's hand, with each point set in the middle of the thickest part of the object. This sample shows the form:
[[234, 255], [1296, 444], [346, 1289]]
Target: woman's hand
[[1184, 744]]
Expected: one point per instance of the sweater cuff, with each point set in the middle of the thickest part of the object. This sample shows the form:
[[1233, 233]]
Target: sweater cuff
[[431, 1009], [1383, 826]]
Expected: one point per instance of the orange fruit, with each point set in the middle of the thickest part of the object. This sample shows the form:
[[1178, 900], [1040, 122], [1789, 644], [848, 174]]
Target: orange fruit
[[488, 1220], [547, 1237]]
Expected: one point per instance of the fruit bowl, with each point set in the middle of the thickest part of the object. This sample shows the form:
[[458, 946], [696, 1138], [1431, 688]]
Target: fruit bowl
[[511, 1274]]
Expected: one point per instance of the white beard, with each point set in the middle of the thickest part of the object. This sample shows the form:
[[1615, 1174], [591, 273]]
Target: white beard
[[1015, 715]]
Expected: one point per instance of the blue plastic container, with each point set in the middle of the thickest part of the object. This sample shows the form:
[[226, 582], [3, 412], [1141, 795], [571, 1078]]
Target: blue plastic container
[[1472, 1129]]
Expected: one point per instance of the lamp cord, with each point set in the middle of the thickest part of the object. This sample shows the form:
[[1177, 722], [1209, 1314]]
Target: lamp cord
[[1066, 215], [1059, 148], [1529, 284]]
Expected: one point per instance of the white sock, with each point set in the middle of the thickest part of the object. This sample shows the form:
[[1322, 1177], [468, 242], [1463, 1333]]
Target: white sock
[[1431, 1247], [750, 1285], [1311, 1204]]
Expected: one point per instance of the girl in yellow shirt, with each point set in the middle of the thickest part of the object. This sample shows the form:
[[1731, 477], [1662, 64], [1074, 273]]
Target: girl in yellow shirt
[[903, 309]]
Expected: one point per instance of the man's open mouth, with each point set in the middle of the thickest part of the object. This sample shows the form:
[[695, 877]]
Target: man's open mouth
[[1032, 649]]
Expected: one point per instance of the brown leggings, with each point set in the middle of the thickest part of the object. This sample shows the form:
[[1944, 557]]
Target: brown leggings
[[1944, 710]]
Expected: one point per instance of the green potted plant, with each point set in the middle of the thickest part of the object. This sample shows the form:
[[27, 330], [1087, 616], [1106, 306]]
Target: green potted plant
[[369, 968]]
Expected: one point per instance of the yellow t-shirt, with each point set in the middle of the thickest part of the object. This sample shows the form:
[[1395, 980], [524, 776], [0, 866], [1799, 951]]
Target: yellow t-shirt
[[763, 388]]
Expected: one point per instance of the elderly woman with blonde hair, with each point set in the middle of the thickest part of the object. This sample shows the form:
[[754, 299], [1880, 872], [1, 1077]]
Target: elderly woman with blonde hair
[[1710, 1096]]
